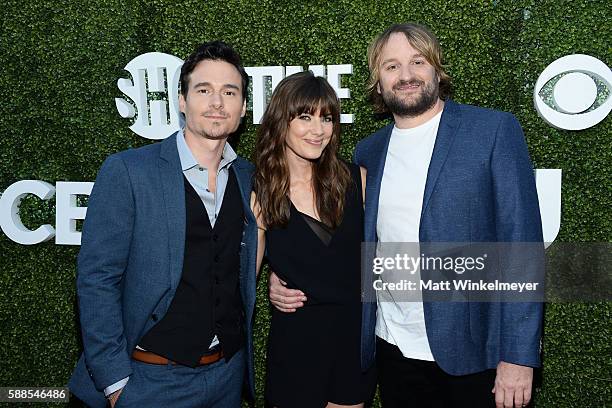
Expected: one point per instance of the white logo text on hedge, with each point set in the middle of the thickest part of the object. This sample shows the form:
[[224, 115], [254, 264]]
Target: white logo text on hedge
[[153, 91], [153, 73], [66, 211]]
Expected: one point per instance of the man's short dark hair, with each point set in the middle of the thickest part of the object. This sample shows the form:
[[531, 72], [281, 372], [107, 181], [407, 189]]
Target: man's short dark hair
[[216, 51]]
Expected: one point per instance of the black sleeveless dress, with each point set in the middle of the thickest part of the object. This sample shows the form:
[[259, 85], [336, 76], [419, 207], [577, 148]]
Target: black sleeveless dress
[[314, 353]]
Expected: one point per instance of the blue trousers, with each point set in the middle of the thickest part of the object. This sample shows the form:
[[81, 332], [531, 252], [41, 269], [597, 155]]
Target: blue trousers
[[217, 385]]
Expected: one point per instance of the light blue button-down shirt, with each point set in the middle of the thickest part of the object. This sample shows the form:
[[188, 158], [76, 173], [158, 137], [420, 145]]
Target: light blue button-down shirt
[[197, 175]]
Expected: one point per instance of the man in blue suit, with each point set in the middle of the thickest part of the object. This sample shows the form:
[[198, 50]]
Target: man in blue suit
[[442, 173], [166, 272]]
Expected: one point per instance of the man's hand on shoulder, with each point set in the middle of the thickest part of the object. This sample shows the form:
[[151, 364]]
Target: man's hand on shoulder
[[512, 385], [284, 299]]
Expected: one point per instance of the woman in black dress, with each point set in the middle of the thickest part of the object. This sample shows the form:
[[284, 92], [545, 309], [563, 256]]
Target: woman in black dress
[[309, 207]]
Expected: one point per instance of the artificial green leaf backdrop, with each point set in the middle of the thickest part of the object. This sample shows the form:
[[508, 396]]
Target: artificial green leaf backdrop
[[59, 63]]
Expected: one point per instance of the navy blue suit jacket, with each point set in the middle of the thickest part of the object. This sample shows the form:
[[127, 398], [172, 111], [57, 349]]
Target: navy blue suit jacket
[[480, 187], [131, 260]]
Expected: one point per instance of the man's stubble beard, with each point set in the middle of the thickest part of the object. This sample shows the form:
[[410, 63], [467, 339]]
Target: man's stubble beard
[[424, 101], [217, 130]]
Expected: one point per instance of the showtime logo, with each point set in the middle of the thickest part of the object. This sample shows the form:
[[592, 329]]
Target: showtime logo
[[153, 74], [153, 91]]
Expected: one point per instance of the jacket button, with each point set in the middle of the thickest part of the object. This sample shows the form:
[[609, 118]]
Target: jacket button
[[215, 237], [154, 317], [217, 302], [216, 280], [217, 258]]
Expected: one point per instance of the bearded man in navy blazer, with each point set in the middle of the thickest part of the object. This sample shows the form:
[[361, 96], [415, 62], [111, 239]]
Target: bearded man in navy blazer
[[166, 271], [442, 173], [445, 172]]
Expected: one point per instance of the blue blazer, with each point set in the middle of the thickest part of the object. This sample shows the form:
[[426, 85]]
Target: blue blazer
[[480, 187], [131, 260]]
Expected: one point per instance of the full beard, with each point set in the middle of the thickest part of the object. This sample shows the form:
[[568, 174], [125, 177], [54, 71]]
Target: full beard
[[419, 104]]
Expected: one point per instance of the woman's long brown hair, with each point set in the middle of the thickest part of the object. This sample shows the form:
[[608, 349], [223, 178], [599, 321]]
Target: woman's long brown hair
[[296, 95]]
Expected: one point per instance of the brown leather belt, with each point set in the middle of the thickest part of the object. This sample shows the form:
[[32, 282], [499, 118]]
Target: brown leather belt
[[152, 358]]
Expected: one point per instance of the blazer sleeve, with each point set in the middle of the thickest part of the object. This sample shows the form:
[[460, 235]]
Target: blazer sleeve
[[102, 261], [519, 230], [357, 157]]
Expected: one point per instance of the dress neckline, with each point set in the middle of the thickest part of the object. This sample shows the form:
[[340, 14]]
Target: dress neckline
[[322, 231]]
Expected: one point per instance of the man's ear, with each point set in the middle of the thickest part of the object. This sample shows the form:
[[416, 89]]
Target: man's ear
[[243, 108], [378, 87], [182, 103]]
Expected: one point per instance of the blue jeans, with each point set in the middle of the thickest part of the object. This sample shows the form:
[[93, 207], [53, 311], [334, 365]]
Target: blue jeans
[[217, 385]]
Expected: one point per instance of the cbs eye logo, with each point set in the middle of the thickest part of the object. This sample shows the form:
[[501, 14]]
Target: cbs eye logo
[[573, 92]]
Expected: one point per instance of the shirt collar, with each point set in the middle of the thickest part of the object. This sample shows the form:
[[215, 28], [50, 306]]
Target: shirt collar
[[187, 159]]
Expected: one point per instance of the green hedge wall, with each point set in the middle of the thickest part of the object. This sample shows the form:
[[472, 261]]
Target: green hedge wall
[[59, 62], [577, 343]]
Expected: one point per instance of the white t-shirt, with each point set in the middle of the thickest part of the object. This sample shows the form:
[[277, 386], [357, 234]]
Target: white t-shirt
[[399, 213]]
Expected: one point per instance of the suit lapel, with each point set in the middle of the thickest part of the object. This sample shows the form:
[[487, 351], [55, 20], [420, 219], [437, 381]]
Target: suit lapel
[[248, 249], [173, 189], [449, 123], [374, 181], [243, 177]]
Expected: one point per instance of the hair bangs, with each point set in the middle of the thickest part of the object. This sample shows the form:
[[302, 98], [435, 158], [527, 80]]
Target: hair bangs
[[314, 95]]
